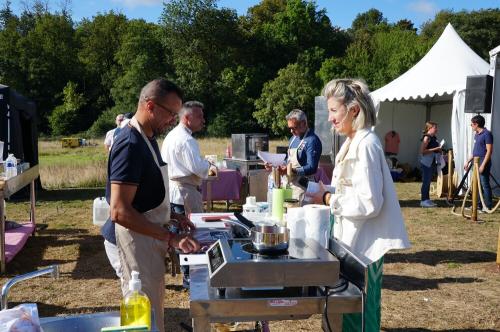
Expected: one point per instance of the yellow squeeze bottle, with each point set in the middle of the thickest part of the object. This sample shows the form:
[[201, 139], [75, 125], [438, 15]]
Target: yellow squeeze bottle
[[135, 308]]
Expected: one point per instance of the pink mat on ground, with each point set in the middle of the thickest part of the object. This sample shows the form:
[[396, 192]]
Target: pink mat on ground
[[16, 238]]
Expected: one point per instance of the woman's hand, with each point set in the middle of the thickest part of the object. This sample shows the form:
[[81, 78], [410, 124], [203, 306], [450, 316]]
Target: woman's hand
[[317, 197]]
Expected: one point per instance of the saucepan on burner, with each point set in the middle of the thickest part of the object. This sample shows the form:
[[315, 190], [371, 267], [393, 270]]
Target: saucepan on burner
[[265, 239]]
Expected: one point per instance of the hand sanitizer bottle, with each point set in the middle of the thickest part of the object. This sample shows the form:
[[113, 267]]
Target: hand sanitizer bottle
[[135, 308]]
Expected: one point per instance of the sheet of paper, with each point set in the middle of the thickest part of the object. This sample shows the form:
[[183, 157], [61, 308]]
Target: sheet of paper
[[275, 159], [442, 143]]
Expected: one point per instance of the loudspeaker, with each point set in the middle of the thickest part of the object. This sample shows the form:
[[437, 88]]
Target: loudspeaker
[[478, 94]]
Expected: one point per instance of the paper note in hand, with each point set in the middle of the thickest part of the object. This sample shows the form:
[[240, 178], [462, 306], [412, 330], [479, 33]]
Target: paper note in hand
[[442, 143], [275, 159]]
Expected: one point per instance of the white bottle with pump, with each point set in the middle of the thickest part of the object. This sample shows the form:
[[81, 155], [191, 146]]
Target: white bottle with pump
[[135, 308]]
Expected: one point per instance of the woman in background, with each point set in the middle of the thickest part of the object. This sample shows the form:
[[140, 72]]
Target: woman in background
[[429, 152], [367, 214]]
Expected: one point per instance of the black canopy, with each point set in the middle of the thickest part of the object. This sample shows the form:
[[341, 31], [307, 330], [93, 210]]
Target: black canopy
[[18, 126]]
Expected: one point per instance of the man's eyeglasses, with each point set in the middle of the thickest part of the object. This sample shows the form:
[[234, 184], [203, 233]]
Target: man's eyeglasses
[[171, 113]]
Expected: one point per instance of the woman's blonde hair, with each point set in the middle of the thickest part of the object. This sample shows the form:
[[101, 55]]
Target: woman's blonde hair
[[353, 92], [428, 126]]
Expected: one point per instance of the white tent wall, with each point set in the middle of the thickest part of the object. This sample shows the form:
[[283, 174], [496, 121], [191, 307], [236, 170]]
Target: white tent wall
[[406, 119], [495, 116]]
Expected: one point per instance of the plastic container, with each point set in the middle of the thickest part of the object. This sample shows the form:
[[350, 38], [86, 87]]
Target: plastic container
[[100, 211], [10, 166], [251, 205], [135, 308], [270, 186]]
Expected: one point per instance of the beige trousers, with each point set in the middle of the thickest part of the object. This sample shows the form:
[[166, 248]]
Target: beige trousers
[[145, 255]]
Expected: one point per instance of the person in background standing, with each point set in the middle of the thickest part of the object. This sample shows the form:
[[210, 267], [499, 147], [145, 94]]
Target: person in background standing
[[483, 148], [108, 140], [430, 151], [304, 152], [186, 167], [365, 206], [139, 194]]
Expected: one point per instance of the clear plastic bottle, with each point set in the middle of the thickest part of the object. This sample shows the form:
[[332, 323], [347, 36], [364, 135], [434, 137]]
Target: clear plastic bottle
[[135, 308], [10, 166], [270, 186]]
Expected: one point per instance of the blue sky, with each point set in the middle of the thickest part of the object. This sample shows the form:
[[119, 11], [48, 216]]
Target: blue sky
[[341, 12]]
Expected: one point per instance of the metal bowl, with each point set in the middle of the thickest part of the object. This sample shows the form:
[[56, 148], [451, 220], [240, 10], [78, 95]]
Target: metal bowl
[[270, 238]]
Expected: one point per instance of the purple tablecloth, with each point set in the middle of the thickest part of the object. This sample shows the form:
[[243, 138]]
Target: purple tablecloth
[[322, 175], [226, 187]]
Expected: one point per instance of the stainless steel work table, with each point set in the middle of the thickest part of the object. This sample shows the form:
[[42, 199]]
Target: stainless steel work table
[[206, 306]]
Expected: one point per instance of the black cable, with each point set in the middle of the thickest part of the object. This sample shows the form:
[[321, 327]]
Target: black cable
[[343, 286], [340, 287], [460, 186]]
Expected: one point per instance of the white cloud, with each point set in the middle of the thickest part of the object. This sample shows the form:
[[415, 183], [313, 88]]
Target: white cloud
[[423, 7], [138, 3]]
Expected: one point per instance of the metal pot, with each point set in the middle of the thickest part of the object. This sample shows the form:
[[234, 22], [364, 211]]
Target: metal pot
[[266, 239], [270, 238]]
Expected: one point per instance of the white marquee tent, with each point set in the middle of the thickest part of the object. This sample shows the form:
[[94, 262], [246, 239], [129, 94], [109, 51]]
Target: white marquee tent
[[432, 90]]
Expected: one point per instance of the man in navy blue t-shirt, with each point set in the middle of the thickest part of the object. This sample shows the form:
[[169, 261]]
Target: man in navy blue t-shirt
[[137, 190], [483, 147]]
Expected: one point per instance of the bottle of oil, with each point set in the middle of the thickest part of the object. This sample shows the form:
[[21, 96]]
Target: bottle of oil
[[135, 308]]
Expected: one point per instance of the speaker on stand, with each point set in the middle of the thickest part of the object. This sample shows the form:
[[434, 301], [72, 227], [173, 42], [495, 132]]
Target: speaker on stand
[[478, 94]]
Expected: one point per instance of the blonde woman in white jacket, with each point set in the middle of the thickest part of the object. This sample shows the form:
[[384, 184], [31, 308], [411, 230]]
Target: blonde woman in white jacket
[[365, 206]]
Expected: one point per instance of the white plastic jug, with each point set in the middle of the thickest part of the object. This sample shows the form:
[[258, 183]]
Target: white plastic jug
[[101, 211]]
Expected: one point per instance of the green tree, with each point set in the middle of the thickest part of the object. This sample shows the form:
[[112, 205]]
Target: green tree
[[11, 72], [46, 60], [479, 29], [200, 42], [369, 20], [234, 108], [65, 118], [379, 53], [99, 41], [140, 58], [290, 89]]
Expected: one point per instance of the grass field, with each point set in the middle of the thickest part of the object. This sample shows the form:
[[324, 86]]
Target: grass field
[[447, 281], [86, 167]]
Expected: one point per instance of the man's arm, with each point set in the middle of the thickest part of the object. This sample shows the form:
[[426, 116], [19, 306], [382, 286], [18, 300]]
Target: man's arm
[[123, 213], [487, 157], [193, 160]]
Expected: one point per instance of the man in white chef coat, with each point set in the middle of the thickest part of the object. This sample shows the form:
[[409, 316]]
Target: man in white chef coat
[[186, 167]]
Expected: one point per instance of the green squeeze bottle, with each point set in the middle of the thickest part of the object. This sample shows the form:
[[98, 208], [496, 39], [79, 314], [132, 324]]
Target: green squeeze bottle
[[135, 308]]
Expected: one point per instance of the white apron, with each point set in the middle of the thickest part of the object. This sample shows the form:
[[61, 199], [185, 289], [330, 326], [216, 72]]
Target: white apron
[[189, 187], [297, 190], [143, 253]]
